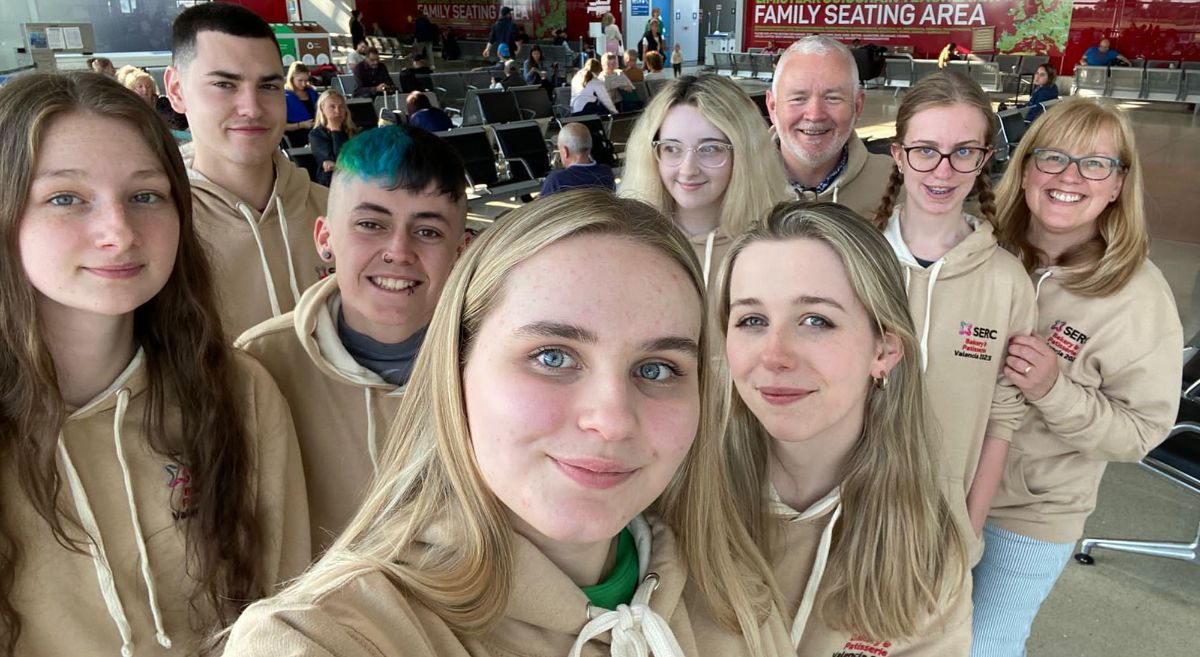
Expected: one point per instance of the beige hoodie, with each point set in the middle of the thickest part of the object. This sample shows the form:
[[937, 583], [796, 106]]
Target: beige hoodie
[[261, 261], [861, 185], [130, 595], [341, 409], [964, 308], [1119, 360], [369, 616], [710, 249], [799, 559]]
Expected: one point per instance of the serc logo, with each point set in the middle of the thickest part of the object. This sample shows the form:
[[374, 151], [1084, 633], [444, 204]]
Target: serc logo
[[965, 328]]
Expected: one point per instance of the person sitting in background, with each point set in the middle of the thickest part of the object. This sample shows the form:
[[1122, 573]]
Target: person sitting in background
[[536, 58], [333, 128], [142, 84], [561, 38], [654, 66], [631, 68], [372, 76], [422, 114], [579, 169], [410, 79], [505, 55], [1044, 89], [588, 95], [356, 56], [301, 105], [537, 77], [614, 80], [1102, 54], [772, 49], [103, 66], [510, 77], [948, 54]]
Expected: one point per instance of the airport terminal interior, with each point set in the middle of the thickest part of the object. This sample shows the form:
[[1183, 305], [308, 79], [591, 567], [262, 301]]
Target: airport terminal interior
[[1123, 603]]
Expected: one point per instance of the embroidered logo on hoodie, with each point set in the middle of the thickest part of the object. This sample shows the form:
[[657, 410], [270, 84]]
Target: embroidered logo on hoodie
[[863, 647], [1066, 340], [179, 480], [975, 341]]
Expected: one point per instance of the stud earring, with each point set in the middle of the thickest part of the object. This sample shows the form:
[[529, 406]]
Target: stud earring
[[326, 254]]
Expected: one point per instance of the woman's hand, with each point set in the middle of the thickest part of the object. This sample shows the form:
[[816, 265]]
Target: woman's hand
[[1031, 365], [327, 165]]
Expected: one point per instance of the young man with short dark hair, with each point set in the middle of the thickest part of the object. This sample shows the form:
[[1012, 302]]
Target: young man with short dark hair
[[250, 202]]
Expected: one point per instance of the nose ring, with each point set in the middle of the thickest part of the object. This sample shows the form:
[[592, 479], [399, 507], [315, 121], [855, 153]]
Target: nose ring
[[387, 257]]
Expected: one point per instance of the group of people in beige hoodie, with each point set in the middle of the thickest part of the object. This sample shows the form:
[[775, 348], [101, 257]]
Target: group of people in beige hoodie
[[422, 548]]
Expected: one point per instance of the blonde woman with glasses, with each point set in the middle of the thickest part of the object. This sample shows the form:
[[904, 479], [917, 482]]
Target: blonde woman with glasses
[[1101, 370], [967, 296], [702, 155], [550, 484], [830, 454]]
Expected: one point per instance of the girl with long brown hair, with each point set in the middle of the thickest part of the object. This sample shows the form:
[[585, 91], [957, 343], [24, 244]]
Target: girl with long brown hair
[[828, 448], [150, 485], [967, 296]]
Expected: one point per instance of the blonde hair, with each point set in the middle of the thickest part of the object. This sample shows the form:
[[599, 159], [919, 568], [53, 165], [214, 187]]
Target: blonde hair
[[757, 182], [942, 89], [896, 550], [428, 475], [132, 78], [124, 72], [319, 121], [295, 69], [1105, 263]]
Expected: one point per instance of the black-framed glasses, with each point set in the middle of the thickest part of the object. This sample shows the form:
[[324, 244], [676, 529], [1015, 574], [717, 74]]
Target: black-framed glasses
[[1092, 167], [710, 154], [965, 159]]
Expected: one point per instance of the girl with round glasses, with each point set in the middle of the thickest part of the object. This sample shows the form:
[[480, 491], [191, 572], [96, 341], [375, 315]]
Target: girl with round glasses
[[966, 295], [1101, 371], [702, 155]]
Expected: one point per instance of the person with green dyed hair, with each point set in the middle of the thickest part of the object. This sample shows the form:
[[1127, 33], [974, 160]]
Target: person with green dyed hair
[[395, 226]]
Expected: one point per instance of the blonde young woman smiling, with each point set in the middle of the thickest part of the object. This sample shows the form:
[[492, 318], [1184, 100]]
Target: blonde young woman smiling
[[551, 484], [702, 155]]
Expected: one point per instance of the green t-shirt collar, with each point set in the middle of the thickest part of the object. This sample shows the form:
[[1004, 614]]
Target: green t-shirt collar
[[618, 588]]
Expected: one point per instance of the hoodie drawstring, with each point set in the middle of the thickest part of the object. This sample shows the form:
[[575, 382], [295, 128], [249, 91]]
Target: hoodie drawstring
[[835, 193], [104, 573], [814, 578], [933, 274], [287, 249], [637, 631], [268, 278], [372, 450], [708, 252], [1041, 279]]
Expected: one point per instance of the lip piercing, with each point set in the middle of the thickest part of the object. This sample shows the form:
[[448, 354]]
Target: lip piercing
[[387, 257]]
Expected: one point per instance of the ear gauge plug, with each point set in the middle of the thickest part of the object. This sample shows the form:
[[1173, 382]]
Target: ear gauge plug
[[326, 255]]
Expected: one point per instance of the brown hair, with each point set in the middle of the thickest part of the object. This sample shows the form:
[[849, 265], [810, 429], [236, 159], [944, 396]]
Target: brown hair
[[941, 89], [654, 60], [188, 365], [1105, 263]]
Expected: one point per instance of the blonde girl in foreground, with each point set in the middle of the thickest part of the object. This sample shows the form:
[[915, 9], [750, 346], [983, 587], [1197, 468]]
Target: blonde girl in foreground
[[549, 486], [829, 450]]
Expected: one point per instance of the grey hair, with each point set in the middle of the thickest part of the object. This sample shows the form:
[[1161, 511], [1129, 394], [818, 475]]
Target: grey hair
[[817, 45], [576, 137]]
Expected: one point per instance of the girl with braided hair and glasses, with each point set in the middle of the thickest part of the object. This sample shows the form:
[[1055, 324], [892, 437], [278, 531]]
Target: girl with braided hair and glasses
[[967, 296]]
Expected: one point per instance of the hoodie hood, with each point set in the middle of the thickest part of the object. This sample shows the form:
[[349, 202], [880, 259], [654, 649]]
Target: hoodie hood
[[961, 260], [315, 321], [710, 249], [829, 506], [279, 232], [860, 185], [131, 381]]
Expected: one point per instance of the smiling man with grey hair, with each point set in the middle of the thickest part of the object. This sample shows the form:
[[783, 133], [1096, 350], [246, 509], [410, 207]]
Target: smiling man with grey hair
[[814, 102]]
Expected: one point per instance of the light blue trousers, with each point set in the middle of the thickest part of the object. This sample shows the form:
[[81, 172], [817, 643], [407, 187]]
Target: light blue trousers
[[1012, 580]]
